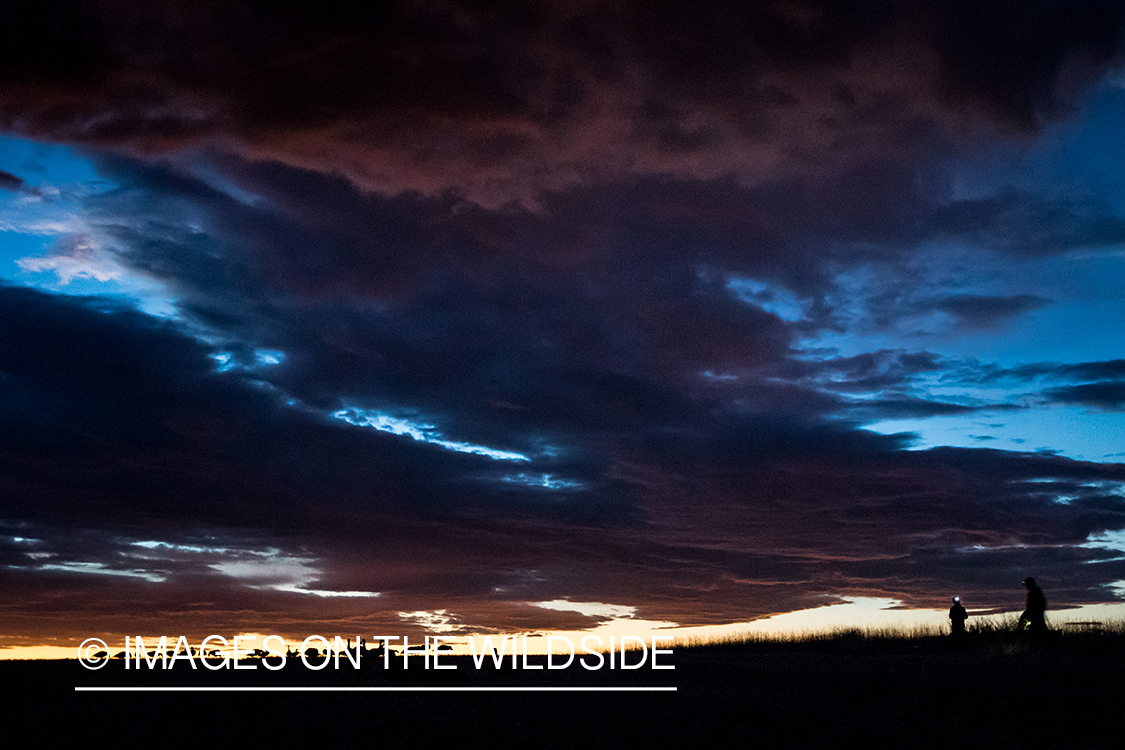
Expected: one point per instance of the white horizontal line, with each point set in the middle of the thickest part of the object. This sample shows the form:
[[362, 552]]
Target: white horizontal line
[[129, 689]]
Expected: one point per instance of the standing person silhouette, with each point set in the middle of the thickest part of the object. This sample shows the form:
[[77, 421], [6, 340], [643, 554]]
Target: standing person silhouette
[[957, 617], [1034, 617]]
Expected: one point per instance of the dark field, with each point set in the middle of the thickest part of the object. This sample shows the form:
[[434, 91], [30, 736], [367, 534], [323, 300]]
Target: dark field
[[891, 693]]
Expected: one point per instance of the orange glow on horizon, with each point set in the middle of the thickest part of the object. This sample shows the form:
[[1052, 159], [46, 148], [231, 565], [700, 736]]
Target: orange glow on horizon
[[859, 612]]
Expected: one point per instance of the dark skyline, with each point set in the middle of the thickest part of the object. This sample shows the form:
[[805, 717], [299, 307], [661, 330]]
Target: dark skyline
[[367, 319]]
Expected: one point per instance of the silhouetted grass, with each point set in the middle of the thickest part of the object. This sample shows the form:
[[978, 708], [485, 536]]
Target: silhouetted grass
[[996, 634]]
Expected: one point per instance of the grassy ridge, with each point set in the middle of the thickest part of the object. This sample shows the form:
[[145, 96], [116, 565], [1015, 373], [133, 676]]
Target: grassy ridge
[[998, 633], [856, 687]]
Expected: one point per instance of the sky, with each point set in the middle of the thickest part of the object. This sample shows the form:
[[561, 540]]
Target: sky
[[466, 319]]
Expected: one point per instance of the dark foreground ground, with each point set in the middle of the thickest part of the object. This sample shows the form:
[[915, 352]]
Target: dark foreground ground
[[1003, 695]]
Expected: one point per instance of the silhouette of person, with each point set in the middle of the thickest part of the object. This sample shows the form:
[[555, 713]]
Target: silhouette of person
[[957, 617], [1033, 619]]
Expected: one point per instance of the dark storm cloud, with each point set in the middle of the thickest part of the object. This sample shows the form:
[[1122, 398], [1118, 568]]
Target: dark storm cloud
[[505, 102], [1027, 225], [867, 372], [1109, 370], [906, 525], [99, 389], [371, 281], [9, 181], [695, 515], [1108, 395], [607, 342], [1081, 372], [879, 385], [533, 346], [645, 258], [980, 311], [902, 408], [1095, 384], [149, 442]]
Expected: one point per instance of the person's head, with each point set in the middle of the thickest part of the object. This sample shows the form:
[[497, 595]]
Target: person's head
[[1029, 582], [956, 600]]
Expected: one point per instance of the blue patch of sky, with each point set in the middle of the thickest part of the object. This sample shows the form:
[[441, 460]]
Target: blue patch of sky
[[55, 180], [1113, 540], [95, 568], [263, 569], [542, 481], [1081, 159], [225, 361], [773, 299], [1080, 320], [1072, 432], [419, 431], [1083, 155], [47, 242], [268, 357], [156, 545]]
